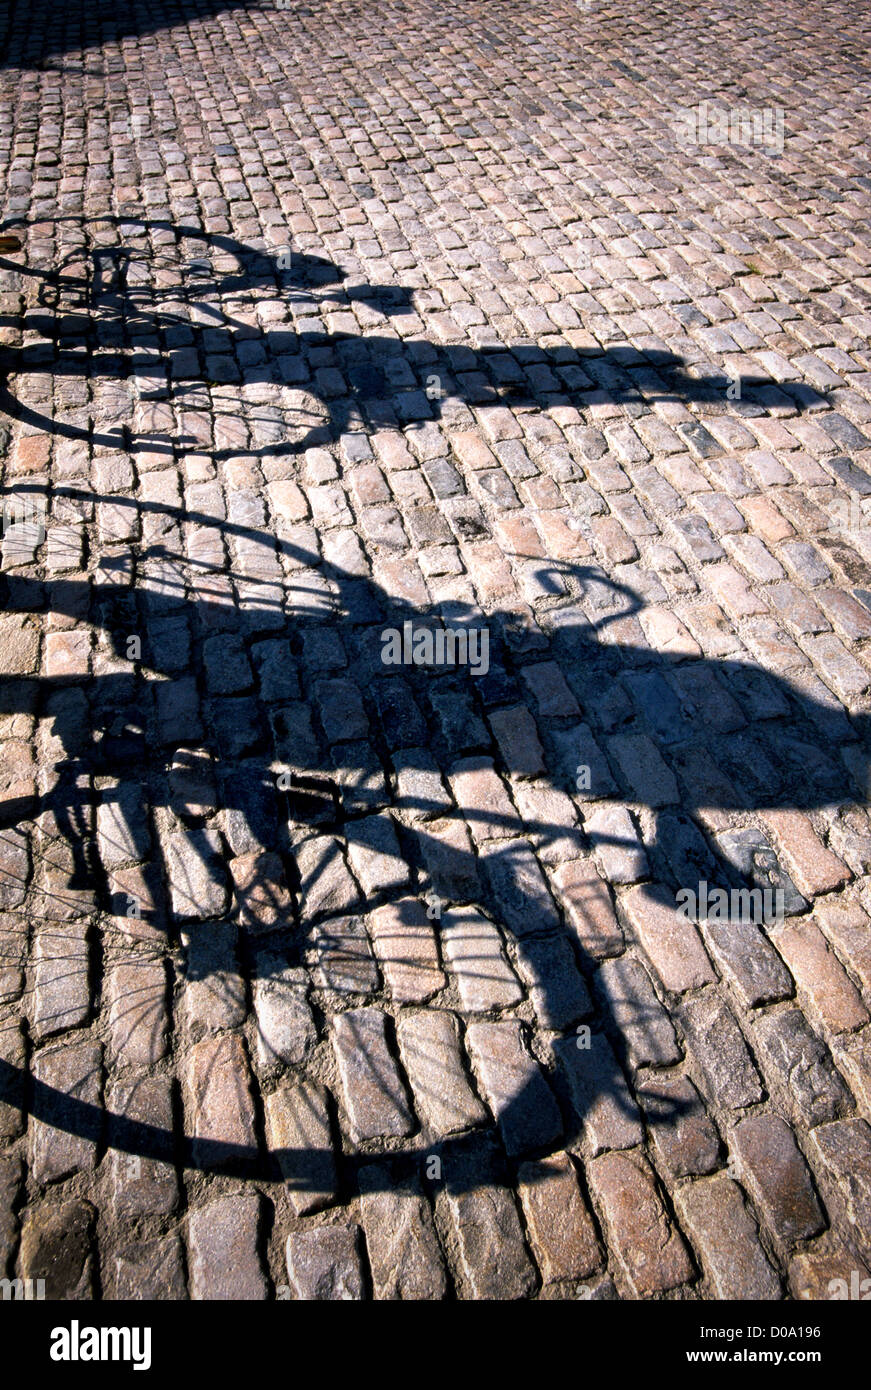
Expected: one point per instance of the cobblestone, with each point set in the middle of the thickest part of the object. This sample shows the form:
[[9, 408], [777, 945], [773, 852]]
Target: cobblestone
[[56, 1149], [224, 1260], [298, 1133], [778, 1176], [138, 1021], [61, 993], [371, 1086], [149, 1269], [332, 322], [429, 1044], [487, 1228], [803, 1066], [682, 1132], [722, 1055], [670, 940], [324, 1263], [830, 997], [607, 1114], [404, 1254], [405, 944], [642, 1023], [56, 1246], [517, 1092], [727, 1240], [140, 1185], [221, 1106], [650, 1251], [285, 1027], [845, 1150], [562, 1231]]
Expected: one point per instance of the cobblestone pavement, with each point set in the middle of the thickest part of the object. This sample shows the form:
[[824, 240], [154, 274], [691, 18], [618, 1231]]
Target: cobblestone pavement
[[328, 973]]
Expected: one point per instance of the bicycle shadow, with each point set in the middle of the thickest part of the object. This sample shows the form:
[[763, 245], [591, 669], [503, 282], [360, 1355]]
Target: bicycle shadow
[[332, 790], [726, 735], [342, 380]]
